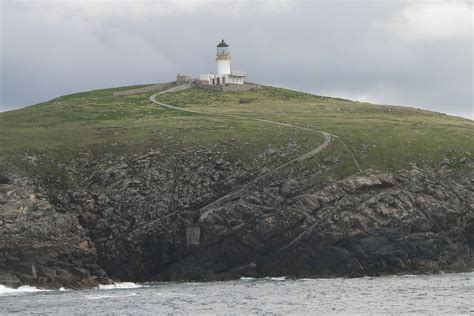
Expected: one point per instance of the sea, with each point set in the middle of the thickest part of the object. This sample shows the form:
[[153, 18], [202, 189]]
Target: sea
[[445, 294]]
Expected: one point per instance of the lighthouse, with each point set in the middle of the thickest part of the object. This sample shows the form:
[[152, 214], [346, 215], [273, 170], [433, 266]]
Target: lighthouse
[[224, 74], [223, 59]]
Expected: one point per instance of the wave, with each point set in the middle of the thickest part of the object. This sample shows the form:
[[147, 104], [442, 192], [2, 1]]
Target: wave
[[121, 285], [247, 279], [101, 297], [282, 278], [4, 290], [25, 289]]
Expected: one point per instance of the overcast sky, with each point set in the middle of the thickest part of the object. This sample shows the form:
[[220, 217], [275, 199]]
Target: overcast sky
[[417, 53]]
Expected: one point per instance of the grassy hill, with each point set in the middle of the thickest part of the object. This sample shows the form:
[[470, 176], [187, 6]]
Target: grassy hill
[[385, 138]]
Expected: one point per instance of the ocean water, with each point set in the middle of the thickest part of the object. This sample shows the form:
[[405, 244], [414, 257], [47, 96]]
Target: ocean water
[[433, 294]]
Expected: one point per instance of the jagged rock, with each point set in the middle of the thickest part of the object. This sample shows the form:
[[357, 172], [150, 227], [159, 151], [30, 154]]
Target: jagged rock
[[331, 160], [288, 187], [445, 162], [270, 152], [9, 279], [219, 162], [43, 242]]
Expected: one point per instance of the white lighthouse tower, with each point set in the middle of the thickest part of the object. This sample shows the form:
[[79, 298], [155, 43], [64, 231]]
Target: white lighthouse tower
[[224, 74], [223, 59]]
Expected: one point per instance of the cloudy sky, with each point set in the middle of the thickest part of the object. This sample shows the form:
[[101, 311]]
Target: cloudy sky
[[416, 53]]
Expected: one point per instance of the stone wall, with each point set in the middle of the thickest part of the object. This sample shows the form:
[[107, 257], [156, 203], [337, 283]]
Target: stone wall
[[183, 79], [229, 87], [152, 88]]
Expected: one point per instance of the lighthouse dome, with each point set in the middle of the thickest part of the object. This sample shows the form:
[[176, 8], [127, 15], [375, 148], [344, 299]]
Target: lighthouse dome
[[222, 44]]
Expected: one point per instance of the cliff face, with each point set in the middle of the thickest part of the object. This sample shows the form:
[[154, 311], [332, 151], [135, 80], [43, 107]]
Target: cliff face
[[42, 244], [151, 216]]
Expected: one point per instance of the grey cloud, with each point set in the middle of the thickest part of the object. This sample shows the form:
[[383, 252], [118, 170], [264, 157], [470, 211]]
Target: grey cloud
[[349, 49]]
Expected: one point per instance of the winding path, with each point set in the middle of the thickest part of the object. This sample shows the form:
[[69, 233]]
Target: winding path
[[308, 155]]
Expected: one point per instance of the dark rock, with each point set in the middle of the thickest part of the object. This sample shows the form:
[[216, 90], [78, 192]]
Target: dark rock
[[194, 215], [219, 162], [445, 162], [40, 241], [4, 180], [9, 279], [331, 160]]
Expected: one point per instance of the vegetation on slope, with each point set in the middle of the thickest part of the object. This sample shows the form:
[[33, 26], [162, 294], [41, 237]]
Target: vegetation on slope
[[71, 125], [385, 138]]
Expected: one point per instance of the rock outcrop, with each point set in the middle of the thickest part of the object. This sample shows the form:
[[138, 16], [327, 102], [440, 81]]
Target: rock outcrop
[[197, 216], [39, 244]]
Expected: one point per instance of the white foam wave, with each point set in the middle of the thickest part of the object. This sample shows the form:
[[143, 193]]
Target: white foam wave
[[283, 278], [122, 285], [100, 297], [247, 279], [18, 291]]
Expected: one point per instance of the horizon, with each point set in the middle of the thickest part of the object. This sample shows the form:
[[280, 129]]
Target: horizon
[[392, 53]]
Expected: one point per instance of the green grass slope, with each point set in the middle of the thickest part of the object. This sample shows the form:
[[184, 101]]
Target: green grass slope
[[386, 138]]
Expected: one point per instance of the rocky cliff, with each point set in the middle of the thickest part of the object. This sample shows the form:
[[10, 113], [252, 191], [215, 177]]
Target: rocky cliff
[[193, 215]]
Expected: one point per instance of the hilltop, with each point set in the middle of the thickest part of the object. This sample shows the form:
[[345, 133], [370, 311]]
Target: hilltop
[[207, 184], [385, 138]]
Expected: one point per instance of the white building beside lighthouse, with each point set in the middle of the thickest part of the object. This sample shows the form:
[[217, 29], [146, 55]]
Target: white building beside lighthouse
[[224, 74]]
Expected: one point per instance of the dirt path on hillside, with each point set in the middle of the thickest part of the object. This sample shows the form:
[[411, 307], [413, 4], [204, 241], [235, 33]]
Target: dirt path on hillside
[[308, 155]]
